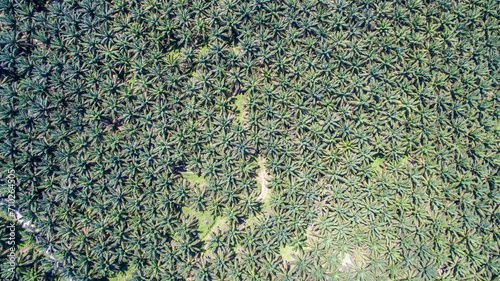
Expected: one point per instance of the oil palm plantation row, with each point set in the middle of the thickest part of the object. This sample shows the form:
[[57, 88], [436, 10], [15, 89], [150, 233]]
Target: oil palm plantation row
[[378, 123]]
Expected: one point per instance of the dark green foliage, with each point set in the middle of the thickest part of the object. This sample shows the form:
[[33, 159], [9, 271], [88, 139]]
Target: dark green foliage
[[376, 126]]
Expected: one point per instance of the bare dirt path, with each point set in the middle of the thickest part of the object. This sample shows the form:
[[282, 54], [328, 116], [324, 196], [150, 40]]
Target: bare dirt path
[[262, 179]]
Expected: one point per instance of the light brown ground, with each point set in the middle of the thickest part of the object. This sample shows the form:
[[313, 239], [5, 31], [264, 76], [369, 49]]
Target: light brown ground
[[262, 179]]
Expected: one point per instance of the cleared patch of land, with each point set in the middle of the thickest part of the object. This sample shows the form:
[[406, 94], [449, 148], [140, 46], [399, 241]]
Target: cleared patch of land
[[193, 178], [287, 253], [262, 180], [240, 102], [206, 220], [377, 164]]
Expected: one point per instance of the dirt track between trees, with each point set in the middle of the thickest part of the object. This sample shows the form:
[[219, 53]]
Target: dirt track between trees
[[262, 179]]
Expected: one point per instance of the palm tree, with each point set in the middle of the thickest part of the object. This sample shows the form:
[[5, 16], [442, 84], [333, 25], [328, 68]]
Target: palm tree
[[215, 206], [248, 204], [284, 272], [235, 272], [186, 247], [202, 270]]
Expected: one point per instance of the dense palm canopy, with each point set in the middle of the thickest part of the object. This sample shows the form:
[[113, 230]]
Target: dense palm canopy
[[136, 131]]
